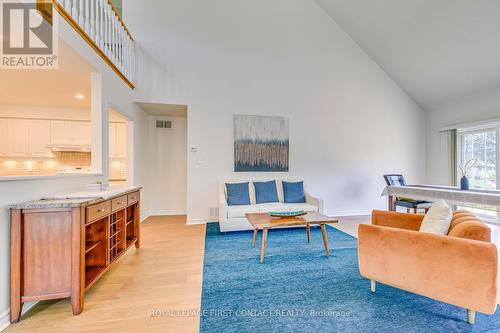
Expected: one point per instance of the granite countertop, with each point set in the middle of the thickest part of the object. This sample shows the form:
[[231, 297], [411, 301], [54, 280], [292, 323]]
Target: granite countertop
[[74, 200]]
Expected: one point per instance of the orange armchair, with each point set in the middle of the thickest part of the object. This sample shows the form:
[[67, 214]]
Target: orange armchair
[[460, 268]]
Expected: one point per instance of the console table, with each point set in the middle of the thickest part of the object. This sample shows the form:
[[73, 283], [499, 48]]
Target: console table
[[452, 195], [61, 247]]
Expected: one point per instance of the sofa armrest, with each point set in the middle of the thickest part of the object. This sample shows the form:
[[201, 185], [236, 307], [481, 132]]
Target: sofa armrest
[[397, 220], [222, 211], [472, 230], [315, 202], [459, 271]]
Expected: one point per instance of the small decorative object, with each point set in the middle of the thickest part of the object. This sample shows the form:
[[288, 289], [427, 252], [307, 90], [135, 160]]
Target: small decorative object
[[464, 172], [287, 214], [260, 143], [464, 183]]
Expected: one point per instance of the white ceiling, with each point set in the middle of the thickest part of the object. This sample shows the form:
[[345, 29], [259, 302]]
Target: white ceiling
[[49, 88], [166, 110], [438, 51]]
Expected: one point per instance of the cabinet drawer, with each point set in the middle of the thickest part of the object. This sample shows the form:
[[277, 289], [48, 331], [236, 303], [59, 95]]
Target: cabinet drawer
[[118, 203], [133, 198], [95, 212]]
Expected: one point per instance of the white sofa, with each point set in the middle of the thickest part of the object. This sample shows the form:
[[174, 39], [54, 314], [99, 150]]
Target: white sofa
[[232, 218]]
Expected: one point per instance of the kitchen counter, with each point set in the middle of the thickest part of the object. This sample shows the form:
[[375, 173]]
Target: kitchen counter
[[48, 177], [74, 200]]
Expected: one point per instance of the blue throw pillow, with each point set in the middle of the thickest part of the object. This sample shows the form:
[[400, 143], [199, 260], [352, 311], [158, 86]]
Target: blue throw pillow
[[265, 192], [237, 194], [294, 192]]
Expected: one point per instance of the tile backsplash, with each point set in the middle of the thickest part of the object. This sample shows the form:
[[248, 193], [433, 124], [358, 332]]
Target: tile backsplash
[[23, 167], [73, 159], [117, 169], [61, 161]]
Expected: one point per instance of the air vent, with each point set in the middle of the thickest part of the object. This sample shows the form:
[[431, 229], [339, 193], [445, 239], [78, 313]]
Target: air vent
[[163, 124], [214, 212]]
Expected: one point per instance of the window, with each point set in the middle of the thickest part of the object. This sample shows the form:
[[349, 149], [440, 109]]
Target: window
[[480, 145]]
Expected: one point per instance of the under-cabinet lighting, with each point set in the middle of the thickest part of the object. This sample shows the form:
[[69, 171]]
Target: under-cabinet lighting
[[10, 164]]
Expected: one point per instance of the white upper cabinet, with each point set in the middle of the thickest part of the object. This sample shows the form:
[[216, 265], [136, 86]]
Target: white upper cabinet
[[27, 138], [117, 140], [81, 132], [3, 137], [39, 138], [17, 137], [70, 132], [60, 132]]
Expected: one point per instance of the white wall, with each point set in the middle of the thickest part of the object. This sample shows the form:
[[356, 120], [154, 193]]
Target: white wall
[[481, 106], [349, 121], [167, 165]]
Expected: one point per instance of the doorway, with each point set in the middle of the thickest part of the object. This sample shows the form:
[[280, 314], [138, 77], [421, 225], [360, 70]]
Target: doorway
[[117, 149]]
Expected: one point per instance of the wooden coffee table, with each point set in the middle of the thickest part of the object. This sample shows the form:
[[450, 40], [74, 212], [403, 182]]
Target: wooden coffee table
[[264, 221]]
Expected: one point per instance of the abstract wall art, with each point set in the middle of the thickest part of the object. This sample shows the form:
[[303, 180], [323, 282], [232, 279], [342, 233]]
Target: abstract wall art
[[260, 143]]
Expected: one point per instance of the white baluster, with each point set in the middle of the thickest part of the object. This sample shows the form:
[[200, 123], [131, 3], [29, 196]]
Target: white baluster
[[110, 27], [132, 75], [74, 11], [125, 54], [67, 6], [111, 15], [92, 20], [117, 24], [87, 17], [97, 23], [121, 45], [81, 19], [115, 38], [106, 30], [101, 24]]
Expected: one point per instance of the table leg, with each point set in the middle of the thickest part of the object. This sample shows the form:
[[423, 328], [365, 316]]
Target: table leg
[[16, 272], [255, 232], [325, 240], [391, 203], [308, 227], [263, 248]]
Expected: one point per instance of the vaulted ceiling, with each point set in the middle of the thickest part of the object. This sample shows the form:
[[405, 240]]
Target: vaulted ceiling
[[437, 51]]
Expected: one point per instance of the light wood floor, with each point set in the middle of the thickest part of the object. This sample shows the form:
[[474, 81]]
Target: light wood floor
[[165, 274]]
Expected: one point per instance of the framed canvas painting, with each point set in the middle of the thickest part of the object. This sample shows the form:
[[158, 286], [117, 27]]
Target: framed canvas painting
[[260, 143]]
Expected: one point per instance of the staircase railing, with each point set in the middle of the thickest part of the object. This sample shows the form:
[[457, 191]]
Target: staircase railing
[[100, 25]]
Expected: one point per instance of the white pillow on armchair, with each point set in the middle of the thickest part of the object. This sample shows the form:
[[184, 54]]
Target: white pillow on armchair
[[438, 219]]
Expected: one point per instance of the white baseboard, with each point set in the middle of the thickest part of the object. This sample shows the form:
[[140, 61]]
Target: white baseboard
[[162, 213], [4, 319], [203, 220], [5, 316], [350, 213]]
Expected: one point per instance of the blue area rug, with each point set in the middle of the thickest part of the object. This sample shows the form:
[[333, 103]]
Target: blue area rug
[[299, 289]]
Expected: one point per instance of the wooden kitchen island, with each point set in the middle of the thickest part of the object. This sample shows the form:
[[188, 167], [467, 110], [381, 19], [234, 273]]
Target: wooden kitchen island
[[61, 247]]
